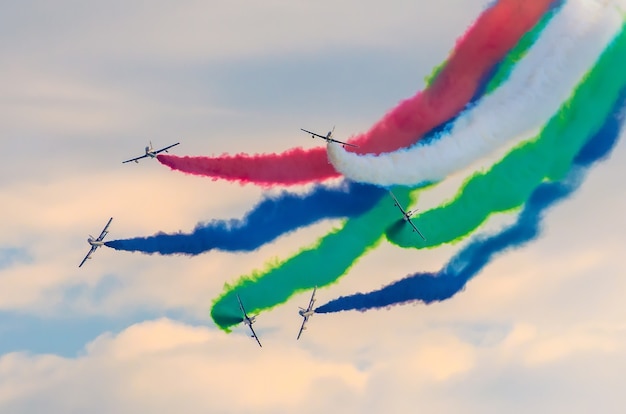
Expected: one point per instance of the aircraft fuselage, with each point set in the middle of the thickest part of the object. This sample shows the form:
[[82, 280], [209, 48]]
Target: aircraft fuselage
[[305, 313]]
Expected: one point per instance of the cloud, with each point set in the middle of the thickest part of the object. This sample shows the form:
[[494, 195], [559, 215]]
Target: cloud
[[444, 359], [195, 29], [557, 348], [9, 256], [162, 366], [408, 357]]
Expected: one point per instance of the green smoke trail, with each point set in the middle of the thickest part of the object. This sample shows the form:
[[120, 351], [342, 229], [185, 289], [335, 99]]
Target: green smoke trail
[[317, 265], [509, 183], [334, 254]]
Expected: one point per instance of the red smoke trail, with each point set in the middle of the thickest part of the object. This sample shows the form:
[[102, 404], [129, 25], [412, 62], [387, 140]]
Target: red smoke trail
[[296, 166], [495, 32]]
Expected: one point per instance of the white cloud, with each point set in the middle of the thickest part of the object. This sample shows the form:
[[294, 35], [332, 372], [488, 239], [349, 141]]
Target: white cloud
[[162, 366], [443, 358], [191, 30], [553, 349]]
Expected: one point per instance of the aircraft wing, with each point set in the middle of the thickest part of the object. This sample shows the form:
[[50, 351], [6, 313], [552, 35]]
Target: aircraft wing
[[93, 249], [341, 142], [416, 229], [245, 315], [105, 231], [397, 203], [313, 133], [166, 148], [306, 318], [254, 336], [312, 301], [135, 159]]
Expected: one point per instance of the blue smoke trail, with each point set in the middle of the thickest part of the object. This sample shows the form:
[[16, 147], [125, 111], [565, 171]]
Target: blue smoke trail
[[430, 287], [272, 217]]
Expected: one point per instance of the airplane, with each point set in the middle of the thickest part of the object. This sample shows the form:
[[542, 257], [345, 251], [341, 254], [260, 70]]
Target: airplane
[[248, 320], [151, 153], [406, 215], [95, 243], [328, 138], [307, 313]]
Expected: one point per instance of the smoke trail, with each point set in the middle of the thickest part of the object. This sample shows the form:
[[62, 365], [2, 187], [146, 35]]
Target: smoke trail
[[511, 181], [318, 265], [333, 256], [496, 31], [266, 219], [431, 287], [537, 86], [272, 217], [497, 76]]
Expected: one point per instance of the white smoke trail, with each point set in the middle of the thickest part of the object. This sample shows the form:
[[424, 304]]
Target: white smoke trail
[[536, 88]]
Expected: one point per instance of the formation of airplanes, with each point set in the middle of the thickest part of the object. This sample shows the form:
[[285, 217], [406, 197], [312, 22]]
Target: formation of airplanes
[[307, 312], [151, 153], [328, 137], [406, 215], [97, 242]]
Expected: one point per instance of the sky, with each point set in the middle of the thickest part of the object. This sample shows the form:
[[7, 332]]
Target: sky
[[86, 85]]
